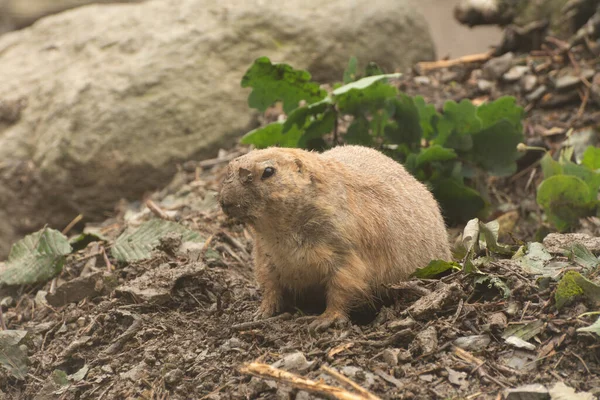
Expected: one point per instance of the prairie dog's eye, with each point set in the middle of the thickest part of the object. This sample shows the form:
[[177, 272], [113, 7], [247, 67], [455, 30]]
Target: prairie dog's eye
[[268, 172]]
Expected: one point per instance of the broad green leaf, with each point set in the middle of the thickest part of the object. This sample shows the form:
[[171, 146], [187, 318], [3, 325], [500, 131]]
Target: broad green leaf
[[565, 199], [434, 268], [35, 258], [459, 202], [319, 126], [407, 127], [350, 71], [358, 132], [456, 125], [535, 260], [493, 282], [363, 99], [594, 328], [12, 358], [279, 82], [503, 108], [302, 116], [526, 330], [591, 178], [137, 244], [271, 135], [550, 167], [428, 116], [495, 148], [591, 158], [363, 83], [434, 153], [584, 257]]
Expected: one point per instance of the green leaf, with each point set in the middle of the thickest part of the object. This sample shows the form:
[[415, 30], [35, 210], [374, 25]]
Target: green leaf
[[495, 148], [279, 82], [271, 135], [490, 234], [35, 258], [303, 116], [407, 127], [357, 98], [504, 108], [591, 158], [493, 282], [590, 289], [459, 202], [550, 167], [594, 328], [81, 241], [319, 126], [565, 199], [435, 153], [458, 122], [536, 260], [584, 257], [526, 330], [137, 244], [364, 83], [350, 71], [358, 132], [428, 117], [12, 358], [591, 178], [435, 268]]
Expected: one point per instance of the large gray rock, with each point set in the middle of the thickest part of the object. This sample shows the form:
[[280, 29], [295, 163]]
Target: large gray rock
[[17, 14], [101, 102]]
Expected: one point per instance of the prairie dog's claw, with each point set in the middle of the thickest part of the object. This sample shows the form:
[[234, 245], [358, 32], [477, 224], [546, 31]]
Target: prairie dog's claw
[[328, 320]]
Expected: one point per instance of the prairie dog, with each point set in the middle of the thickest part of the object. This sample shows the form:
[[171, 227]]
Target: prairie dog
[[347, 220]]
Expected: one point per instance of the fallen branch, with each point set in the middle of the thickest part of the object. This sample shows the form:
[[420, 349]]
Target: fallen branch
[[473, 58], [269, 372]]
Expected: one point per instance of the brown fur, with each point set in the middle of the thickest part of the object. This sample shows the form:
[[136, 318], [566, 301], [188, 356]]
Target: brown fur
[[348, 220]]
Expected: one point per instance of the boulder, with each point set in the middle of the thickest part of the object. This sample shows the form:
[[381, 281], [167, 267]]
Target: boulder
[[17, 14], [101, 102]]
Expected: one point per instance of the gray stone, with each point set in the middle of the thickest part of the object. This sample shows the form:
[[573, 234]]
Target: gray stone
[[537, 93], [293, 362], [496, 67], [567, 82], [527, 392], [108, 99], [528, 82], [484, 85], [515, 73]]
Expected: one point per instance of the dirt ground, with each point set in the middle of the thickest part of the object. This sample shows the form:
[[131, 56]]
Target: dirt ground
[[180, 326]]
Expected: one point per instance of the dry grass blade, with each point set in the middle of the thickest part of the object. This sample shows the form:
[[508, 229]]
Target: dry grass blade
[[267, 371]]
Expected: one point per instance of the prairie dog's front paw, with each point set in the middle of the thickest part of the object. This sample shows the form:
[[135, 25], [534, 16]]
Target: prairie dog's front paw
[[269, 307], [329, 319]]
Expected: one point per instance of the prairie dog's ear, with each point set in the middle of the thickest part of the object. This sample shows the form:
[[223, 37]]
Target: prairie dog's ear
[[245, 175], [299, 165]]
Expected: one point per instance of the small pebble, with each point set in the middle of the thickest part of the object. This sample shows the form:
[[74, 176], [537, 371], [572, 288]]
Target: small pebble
[[422, 80], [537, 93], [496, 67], [515, 73], [174, 376], [390, 356], [484, 85], [528, 82]]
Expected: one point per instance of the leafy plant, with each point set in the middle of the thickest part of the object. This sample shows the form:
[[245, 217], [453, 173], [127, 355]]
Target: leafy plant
[[35, 258], [451, 151], [569, 191]]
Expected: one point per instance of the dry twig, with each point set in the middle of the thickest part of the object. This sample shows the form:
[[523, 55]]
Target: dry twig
[[473, 58], [267, 371]]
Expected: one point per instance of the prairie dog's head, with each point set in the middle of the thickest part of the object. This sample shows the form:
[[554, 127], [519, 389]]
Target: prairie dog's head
[[264, 183]]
